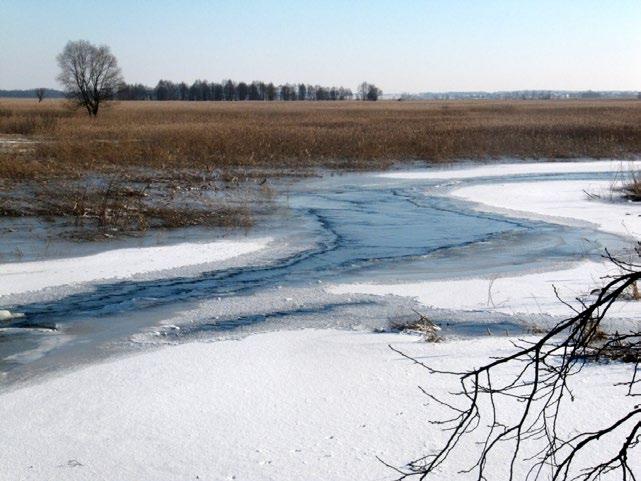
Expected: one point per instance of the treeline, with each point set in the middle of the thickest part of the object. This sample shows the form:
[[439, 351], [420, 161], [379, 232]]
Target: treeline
[[31, 93], [229, 90]]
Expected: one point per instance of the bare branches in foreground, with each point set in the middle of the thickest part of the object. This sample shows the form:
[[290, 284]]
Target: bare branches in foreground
[[514, 419]]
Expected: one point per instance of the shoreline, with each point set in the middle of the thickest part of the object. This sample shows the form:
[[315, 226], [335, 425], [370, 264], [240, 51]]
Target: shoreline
[[554, 201], [312, 404]]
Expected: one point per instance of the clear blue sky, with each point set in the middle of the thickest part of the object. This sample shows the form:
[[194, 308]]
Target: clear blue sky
[[401, 45]]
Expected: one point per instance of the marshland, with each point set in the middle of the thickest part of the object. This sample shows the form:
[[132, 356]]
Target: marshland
[[290, 272], [172, 223], [177, 164]]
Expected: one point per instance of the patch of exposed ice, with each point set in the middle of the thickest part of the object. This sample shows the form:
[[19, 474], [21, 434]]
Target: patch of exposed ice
[[559, 201]]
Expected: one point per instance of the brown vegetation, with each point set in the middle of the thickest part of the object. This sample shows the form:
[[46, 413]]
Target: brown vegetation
[[424, 326], [632, 188], [299, 135], [203, 142]]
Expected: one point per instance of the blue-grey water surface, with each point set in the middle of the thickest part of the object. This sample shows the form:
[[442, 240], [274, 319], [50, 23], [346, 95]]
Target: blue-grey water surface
[[348, 228]]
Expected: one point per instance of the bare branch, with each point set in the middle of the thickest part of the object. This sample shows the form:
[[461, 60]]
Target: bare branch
[[537, 390]]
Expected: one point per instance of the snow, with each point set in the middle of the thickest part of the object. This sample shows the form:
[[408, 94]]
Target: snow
[[289, 405], [307, 404], [5, 315], [516, 169], [21, 277], [559, 201], [529, 296]]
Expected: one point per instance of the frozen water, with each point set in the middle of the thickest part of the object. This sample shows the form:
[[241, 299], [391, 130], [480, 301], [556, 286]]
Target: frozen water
[[340, 229]]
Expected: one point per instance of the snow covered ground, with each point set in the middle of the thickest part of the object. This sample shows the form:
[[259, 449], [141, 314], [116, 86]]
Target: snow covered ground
[[313, 405], [568, 202], [529, 295], [291, 405], [460, 172], [21, 277]]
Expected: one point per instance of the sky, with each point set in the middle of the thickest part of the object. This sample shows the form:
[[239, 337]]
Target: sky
[[400, 45]]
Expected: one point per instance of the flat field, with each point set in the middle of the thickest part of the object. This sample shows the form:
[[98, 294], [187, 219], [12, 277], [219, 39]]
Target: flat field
[[138, 163], [303, 134]]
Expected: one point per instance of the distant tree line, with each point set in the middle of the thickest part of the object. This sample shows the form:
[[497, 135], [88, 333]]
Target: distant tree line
[[32, 93], [228, 90], [524, 95]]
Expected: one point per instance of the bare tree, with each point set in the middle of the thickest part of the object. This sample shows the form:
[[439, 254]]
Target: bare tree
[[270, 91], [302, 92], [373, 92], [229, 90], [538, 393], [362, 90], [243, 91], [89, 74], [40, 93]]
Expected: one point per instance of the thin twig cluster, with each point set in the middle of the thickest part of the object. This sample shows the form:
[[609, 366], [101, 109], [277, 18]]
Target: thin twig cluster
[[537, 392]]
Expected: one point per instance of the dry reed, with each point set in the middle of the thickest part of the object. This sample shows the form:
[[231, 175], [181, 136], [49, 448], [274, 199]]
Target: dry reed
[[168, 142]]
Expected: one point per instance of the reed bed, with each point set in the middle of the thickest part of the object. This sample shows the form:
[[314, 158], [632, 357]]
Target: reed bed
[[345, 134], [164, 143]]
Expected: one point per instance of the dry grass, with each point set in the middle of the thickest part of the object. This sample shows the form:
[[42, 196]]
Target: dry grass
[[424, 326], [632, 187], [168, 142], [355, 134]]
